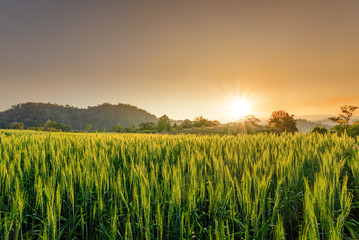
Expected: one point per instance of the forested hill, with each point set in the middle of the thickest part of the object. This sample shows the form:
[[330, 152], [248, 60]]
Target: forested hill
[[101, 116]]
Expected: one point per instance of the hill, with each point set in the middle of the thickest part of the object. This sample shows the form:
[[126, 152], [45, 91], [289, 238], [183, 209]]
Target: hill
[[314, 117], [306, 126], [323, 119], [326, 121], [303, 125], [102, 116]]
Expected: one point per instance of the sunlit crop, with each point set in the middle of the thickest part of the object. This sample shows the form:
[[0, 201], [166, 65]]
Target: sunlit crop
[[133, 186]]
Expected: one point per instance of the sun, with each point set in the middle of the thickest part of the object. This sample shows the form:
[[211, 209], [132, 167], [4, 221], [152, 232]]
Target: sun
[[240, 108]]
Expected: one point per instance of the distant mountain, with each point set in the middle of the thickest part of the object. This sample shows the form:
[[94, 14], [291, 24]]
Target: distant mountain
[[314, 117], [101, 116], [326, 121], [304, 125], [324, 118]]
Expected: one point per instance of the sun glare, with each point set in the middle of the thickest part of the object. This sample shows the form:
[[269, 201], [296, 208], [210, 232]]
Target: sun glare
[[240, 108]]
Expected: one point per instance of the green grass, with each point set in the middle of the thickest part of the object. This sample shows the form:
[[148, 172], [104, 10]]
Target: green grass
[[142, 186]]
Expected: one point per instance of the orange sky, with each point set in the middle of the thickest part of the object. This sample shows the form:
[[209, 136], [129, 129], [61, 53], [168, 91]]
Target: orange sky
[[182, 58]]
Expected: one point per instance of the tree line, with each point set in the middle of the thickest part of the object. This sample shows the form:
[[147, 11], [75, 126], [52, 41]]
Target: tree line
[[279, 122], [344, 123]]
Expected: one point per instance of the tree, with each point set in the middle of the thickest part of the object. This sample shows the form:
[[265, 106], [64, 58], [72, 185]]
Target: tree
[[53, 124], [343, 119], [133, 128], [281, 121], [345, 115], [55, 127], [251, 124], [47, 124], [16, 125], [321, 130], [147, 126], [174, 127], [215, 123], [62, 127], [203, 122], [164, 123], [200, 122], [88, 127], [354, 130], [117, 128], [186, 123]]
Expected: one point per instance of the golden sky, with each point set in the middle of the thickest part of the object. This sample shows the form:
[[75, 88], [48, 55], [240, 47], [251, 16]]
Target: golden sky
[[182, 58]]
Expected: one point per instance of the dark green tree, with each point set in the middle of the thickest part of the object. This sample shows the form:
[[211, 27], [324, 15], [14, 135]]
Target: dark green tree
[[174, 128], [147, 126], [164, 124], [354, 130], [117, 128], [186, 124], [88, 127], [47, 124], [62, 127], [16, 125], [53, 124], [56, 127], [321, 130]]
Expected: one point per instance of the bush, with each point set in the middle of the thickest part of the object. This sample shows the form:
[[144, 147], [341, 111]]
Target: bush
[[16, 125], [117, 128], [186, 124], [321, 130], [147, 126], [353, 130], [36, 128], [203, 122]]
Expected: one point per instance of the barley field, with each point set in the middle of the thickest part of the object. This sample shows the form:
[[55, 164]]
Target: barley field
[[142, 186]]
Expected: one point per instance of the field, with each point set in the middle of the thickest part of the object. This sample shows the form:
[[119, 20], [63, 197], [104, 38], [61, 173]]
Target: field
[[142, 186]]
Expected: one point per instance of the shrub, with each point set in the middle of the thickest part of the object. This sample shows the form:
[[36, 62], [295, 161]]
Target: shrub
[[16, 125], [321, 130]]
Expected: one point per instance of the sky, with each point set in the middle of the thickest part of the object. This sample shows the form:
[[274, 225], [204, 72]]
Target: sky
[[182, 58]]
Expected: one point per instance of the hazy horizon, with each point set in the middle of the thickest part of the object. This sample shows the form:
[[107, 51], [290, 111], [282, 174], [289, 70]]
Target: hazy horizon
[[309, 117], [183, 59]]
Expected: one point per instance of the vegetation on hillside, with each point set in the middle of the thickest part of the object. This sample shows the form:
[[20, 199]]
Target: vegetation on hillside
[[344, 121], [100, 117], [126, 118]]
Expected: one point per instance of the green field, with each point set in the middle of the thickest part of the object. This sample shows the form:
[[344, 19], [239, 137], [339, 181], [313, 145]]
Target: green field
[[139, 186]]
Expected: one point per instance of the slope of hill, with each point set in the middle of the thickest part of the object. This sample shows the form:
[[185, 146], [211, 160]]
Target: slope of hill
[[326, 121], [303, 125], [306, 126], [101, 116], [314, 117]]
